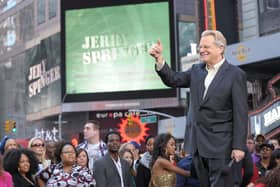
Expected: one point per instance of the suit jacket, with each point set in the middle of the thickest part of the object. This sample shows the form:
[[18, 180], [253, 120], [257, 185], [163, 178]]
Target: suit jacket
[[218, 123], [107, 175]]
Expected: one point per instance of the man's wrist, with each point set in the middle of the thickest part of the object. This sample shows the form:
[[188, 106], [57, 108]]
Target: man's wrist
[[160, 60], [160, 64]]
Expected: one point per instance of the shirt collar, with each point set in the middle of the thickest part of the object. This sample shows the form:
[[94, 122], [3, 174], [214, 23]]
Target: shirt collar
[[117, 161], [216, 66]]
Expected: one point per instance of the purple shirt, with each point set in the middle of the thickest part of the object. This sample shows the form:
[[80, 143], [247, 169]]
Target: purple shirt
[[255, 157]]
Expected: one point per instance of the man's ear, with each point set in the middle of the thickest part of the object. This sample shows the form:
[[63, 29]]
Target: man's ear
[[222, 48]]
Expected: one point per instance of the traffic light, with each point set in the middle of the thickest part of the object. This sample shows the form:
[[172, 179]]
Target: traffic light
[[7, 127], [14, 126]]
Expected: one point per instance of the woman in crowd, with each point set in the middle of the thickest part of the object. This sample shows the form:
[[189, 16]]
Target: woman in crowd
[[144, 171], [163, 172], [127, 155], [276, 156], [65, 172], [7, 144], [50, 151], [21, 164], [5, 177], [132, 148], [82, 158], [272, 179], [37, 145]]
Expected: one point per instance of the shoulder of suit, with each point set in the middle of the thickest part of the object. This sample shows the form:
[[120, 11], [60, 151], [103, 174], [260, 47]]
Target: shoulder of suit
[[103, 159], [235, 68], [199, 65]]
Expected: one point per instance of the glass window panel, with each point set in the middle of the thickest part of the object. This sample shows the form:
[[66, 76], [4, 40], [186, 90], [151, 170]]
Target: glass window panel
[[16, 29], [52, 8], [41, 11], [187, 38], [8, 4]]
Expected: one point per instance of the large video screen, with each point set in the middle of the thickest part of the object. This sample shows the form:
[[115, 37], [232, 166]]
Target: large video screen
[[105, 48]]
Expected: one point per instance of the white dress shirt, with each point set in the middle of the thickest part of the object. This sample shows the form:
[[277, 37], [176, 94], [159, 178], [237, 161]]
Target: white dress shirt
[[212, 71], [119, 168]]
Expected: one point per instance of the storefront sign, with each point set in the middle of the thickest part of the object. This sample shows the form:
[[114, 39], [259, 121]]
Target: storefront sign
[[127, 123], [131, 128], [254, 50], [265, 119], [47, 134], [115, 114]]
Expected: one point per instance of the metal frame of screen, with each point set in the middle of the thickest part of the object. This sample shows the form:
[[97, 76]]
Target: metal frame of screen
[[122, 99]]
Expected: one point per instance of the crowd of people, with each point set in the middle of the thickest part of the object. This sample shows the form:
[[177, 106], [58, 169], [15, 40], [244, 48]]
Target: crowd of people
[[121, 164], [108, 163]]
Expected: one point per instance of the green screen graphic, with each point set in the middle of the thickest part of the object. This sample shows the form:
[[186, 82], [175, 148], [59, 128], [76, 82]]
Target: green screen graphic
[[107, 48]]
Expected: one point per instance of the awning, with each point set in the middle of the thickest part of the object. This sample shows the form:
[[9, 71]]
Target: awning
[[254, 50]]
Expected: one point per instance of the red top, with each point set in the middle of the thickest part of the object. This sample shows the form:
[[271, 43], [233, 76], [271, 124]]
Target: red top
[[260, 185], [255, 176]]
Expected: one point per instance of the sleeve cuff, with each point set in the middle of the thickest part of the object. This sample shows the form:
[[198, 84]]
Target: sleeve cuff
[[159, 66]]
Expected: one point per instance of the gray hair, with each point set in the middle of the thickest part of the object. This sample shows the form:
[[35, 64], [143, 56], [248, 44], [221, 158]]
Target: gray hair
[[220, 40]]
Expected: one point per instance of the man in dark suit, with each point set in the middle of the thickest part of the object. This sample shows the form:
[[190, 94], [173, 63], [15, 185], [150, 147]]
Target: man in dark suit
[[111, 170], [217, 118]]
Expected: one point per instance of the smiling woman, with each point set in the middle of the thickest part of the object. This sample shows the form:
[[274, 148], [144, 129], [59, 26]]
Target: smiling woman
[[163, 171], [66, 172], [21, 164]]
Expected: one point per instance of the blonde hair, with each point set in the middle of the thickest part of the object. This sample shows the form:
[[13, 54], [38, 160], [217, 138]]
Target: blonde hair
[[123, 146], [41, 158], [219, 38]]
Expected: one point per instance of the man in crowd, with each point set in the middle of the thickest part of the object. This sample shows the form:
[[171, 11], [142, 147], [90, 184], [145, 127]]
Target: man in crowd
[[274, 142], [259, 140], [265, 164], [93, 144], [111, 170], [250, 142]]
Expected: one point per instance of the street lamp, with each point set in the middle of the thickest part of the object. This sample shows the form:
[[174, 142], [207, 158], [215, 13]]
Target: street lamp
[[59, 121]]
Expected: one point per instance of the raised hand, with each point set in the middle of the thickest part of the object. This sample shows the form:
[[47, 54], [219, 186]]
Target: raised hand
[[156, 51]]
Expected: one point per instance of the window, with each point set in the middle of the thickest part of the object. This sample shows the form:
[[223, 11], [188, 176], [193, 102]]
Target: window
[[187, 35], [41, 11], [269, 16], [52, 8]]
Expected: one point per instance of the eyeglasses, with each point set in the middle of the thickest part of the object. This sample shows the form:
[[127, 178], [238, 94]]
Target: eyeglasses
[[38, 145], [69, 152], [266, 149]]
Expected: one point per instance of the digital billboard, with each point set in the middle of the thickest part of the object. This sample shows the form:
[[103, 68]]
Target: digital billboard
[[105, 49]]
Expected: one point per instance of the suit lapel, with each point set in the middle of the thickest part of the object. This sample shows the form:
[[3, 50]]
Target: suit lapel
[[215, 82], [202, 76], [114, 167]]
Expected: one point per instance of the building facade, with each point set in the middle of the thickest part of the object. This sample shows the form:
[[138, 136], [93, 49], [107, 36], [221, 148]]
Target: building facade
[[30, 67]]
